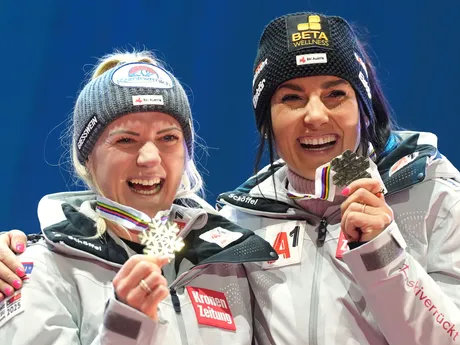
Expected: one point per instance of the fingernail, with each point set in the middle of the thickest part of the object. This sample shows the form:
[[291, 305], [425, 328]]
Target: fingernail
[[20, 247], [346, 191], [8, 291], [17, 284], [20, 272]]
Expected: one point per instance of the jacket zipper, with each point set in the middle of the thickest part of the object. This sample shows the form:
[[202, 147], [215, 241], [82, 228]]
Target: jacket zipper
[[175, 300], [313, 324], [180, 319], [322, 231]]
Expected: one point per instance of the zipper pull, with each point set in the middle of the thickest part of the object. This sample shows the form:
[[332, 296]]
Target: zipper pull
[[322, 230], [175, 300]]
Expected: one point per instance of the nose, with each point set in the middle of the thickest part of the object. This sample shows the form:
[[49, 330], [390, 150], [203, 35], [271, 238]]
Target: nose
[[149, 155], [315, 113]]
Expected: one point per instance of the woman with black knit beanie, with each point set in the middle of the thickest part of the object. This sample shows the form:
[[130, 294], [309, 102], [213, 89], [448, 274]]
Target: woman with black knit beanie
[[365, 218]]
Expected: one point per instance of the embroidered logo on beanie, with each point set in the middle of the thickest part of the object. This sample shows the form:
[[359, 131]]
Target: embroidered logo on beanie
[[307, 31], [142, 75], [92, 123], [304, 45], [259, 69], [128, 88]]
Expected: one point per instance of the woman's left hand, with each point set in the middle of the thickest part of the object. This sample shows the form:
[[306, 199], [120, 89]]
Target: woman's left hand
[[365, 214]]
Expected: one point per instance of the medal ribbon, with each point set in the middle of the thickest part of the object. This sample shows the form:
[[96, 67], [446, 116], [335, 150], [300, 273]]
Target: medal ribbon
[[324, 188]]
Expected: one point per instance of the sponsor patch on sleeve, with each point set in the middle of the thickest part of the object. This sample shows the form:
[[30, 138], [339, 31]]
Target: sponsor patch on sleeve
[[211, 308], [10, 307]]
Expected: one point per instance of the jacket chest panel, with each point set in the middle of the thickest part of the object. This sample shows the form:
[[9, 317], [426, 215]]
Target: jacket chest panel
[[217, 303]]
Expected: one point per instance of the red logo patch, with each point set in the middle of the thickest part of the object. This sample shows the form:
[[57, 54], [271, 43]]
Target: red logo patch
[[342, 246], [211, 308]]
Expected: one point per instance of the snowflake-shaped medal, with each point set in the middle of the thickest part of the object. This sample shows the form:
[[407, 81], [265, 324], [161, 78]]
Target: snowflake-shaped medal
[[161, 239], [349, 167]]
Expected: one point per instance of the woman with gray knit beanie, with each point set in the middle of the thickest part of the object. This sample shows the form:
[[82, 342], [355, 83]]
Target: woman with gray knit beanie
[[139, 258]]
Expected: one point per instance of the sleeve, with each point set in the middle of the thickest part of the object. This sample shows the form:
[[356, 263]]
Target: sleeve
[[125, 325], [411, 304], [47, 310]]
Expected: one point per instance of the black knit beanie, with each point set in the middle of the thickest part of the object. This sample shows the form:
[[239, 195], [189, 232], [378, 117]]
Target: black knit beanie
[[307, 44]]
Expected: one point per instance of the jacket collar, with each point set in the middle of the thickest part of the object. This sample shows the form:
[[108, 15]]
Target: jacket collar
[[68, 224], [411, 158]]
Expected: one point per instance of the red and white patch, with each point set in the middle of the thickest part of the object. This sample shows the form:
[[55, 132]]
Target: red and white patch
[[402, 163], [342, 246], [309, 59], [220, 236], [211, 308], [148, 99], [287, 240], [10, 307]]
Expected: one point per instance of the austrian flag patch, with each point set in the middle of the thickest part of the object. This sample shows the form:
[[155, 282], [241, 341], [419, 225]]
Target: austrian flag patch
[[211, 308]]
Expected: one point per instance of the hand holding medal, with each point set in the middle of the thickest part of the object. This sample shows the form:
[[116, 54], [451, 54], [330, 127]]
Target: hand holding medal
[[140, 282], [365, 213]]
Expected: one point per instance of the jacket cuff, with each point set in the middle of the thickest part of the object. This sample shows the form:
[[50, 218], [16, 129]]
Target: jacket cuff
[[125, 325], [376, 259]]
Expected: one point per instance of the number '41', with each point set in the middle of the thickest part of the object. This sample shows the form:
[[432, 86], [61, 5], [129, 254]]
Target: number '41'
[[281, 244]]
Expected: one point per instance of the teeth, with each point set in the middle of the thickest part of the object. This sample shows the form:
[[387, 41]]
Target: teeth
[[318, 140], [147, 192], [146, 182]]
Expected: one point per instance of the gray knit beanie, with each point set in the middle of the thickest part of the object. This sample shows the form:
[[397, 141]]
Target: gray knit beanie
[[128, 88]]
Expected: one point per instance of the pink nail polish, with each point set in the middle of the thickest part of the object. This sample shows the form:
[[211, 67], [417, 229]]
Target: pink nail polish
[[346, 191], [8, 291], [20, 247], [17, 284], [20, 272]]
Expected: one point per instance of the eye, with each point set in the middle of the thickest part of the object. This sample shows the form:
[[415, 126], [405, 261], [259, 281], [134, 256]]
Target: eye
[[290, 97], [169, 138], [125, 140], [336, 94]]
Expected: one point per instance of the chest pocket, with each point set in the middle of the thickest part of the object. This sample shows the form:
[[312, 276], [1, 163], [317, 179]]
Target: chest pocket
[[215, 308]]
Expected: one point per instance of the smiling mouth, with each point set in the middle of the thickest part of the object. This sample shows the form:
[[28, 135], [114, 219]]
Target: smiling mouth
[[146, 187], [318, 143]]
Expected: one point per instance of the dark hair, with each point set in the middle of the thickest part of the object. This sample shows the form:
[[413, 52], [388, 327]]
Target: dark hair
[[377, 132]]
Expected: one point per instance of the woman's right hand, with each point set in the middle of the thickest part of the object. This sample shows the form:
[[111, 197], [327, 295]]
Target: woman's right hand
[[140, 284], [11, 270]]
